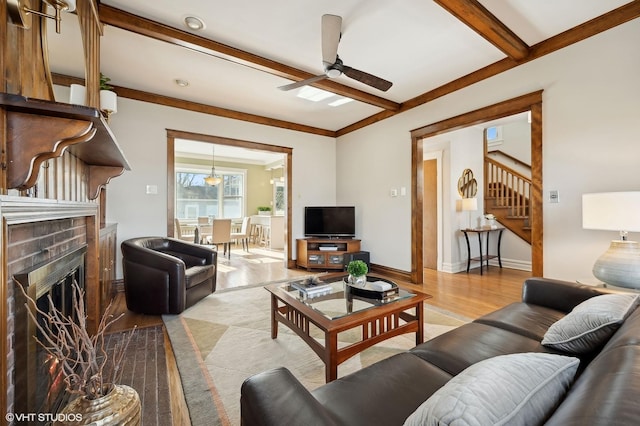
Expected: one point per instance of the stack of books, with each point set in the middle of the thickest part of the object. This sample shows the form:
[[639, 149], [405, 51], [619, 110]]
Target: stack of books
[[310, 289]]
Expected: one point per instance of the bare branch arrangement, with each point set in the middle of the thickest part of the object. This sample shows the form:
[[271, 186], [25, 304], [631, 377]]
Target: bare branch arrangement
[[87, 367]]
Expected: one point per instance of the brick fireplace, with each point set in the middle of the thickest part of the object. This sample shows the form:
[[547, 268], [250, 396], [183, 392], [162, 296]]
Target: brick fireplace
[[34, 232]]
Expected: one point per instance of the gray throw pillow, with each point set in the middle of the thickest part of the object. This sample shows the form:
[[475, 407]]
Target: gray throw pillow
[[591, 323], [505, 390]]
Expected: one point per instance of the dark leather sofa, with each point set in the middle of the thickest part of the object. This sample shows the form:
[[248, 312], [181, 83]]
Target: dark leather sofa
[[165, 275], [605, 391]]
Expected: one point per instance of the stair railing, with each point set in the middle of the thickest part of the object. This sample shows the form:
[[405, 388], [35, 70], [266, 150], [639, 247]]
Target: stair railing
[[508, 187]]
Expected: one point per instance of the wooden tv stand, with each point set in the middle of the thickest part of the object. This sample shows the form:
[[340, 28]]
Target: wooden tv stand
[[324, 253]]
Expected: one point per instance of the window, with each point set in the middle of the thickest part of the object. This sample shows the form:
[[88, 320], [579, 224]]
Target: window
[[494, 133], [279, 201], [194, 198]]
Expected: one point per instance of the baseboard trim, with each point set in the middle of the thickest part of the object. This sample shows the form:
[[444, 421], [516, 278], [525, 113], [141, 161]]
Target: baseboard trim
[[391, 272]]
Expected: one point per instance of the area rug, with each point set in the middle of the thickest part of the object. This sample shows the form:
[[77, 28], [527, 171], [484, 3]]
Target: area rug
[[226, 338]]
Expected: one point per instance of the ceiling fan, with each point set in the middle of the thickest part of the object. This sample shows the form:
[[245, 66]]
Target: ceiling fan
[[333, 65]]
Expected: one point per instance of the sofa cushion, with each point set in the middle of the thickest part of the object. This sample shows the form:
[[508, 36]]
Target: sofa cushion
[[590, 324], [383, 393], [523, 318], [471, 343], [197, 274], [509, 389]]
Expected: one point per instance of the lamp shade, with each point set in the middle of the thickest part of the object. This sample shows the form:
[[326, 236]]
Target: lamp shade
[[469, 204], [611, 211]]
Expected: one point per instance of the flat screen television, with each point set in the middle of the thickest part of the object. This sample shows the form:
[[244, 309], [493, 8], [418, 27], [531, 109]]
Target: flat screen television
[[330, 222]]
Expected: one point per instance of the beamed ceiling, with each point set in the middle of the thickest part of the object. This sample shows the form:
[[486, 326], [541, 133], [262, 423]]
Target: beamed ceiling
[[249, 48]]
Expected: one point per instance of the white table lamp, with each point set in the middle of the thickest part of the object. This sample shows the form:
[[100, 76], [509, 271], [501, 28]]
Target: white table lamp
[[468, 205], [615, 211]]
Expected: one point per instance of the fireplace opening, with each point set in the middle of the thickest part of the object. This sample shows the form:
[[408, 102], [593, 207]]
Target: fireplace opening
[[39, 382]]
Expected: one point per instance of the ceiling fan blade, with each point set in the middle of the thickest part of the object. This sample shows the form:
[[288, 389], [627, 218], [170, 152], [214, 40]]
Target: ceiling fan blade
[[366, 78], [331, 29], [302, 82]]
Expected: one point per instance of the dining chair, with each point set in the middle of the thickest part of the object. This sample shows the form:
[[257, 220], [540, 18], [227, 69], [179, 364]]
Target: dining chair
[[244, 233], [221, 234], [185, 232]]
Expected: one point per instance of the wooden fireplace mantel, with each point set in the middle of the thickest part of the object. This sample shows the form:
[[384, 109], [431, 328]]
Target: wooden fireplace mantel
[[38, 130]]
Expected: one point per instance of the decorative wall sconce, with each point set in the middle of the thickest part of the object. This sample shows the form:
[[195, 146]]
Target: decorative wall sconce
[[108, 103], [20, 11], [108, 99], [273, 180]]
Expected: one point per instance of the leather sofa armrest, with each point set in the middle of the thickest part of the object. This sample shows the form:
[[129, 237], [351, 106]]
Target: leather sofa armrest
[[276, 397], [555, 294]]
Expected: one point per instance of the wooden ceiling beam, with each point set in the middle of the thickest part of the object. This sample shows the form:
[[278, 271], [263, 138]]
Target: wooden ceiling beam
[[136, 24], [619, 16], [152, 98], [483, 22]]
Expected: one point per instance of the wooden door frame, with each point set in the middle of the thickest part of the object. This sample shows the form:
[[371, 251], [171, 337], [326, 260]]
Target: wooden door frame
[[530, 102], [172, 135]]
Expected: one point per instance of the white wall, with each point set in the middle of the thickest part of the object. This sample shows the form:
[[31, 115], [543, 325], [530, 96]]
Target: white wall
[[591, 105], [140, 129]]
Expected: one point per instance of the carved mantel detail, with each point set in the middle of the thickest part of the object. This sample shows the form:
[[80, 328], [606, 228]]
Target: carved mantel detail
[[48, 138], [38, 130]]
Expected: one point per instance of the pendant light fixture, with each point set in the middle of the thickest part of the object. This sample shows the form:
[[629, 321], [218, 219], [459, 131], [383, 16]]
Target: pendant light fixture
[[212, 179]]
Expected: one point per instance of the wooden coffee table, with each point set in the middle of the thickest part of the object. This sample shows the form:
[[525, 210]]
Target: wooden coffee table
[[378, 319]]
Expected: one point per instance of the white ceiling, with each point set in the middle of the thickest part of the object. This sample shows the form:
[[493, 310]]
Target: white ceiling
[[416, 44]]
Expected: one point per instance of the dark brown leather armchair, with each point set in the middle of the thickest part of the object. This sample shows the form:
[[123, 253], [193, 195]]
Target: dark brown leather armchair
[[165, 275]]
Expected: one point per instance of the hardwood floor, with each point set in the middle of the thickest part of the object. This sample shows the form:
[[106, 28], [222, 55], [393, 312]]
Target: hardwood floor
[[473, 295]]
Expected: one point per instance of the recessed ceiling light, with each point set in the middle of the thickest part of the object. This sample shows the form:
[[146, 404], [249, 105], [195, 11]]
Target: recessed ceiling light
[[194, 23], [182, 83]]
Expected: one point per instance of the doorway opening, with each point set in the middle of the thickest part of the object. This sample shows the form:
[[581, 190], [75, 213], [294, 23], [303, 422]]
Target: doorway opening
[[247, 184], [532, 103]]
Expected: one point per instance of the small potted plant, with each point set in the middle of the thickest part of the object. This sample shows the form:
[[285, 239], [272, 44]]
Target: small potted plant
[[264, 211], [357, 270]]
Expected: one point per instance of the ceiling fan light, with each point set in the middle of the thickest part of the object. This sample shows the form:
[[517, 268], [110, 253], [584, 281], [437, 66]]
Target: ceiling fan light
[[333, 73]]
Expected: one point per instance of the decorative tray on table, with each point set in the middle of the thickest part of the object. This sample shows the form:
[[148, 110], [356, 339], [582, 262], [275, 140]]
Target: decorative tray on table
[[375, 288]]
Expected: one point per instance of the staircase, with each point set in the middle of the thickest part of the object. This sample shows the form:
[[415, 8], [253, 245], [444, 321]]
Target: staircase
[[507, 195]]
